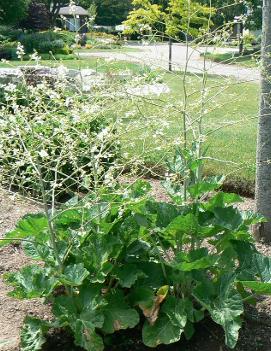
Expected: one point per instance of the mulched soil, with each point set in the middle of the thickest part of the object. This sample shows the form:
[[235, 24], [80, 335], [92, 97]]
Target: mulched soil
[[255, 334]]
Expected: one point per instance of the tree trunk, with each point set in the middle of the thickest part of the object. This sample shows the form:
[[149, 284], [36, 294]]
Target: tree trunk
[[263, 173]]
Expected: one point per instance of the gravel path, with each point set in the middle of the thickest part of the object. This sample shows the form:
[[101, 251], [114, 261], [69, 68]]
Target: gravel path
[[157, 56]]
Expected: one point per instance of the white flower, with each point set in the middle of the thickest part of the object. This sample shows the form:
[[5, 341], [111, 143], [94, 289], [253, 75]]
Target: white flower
[[77, 38], [43, 154], [35, 56], [20, 51], [10, 88], [62, 71]]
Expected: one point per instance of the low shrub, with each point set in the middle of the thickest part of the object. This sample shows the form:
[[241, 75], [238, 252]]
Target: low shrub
[[44, 42], [9, 33], [47, 132], [119, 258], [60, 57], [8, 50], [249, 39]]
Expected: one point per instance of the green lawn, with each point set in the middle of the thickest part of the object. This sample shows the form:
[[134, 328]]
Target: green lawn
[[99, 64], [231, 109], [233, 58]]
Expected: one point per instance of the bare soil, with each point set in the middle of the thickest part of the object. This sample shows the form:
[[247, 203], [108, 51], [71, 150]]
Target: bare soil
[[255, 334]]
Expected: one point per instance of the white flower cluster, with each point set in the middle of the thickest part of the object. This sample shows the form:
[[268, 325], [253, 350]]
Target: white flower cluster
[[20, 51]]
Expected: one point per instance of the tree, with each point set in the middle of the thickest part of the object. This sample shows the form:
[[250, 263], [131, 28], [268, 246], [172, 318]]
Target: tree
[[226, 10], [263, 163], [111, 12], [13, 11], [174, 17], [53, 6], [37, 17]]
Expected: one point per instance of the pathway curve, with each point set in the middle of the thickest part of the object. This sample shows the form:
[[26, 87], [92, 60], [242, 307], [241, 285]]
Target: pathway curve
[[157, 56]]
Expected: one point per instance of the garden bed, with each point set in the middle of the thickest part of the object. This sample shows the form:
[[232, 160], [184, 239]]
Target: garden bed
[[255, 334]]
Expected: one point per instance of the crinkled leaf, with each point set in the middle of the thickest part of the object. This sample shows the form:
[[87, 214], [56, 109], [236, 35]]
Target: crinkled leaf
[[86, 337], [174, 308], [228, 217], [199, 189], [163, 331], [128, 274], [85, 306], [35, 225], [141, 220], [258, 287], [182, 225], [164, 212], [37, 251], [74, 274], [175, 191], [250, 217], [263, 266], [30, 282], [142, 296], [118, 315], [202, 263], [70, 217], [154, 275], [221, 199], [32, 334], [139, 189], [225, 309], [151, 313]]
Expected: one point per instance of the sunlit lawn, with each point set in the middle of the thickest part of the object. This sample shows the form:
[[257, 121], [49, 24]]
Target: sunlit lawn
[[231, 105], [234, 58]]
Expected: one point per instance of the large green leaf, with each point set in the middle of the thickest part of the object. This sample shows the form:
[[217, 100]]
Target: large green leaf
[[37, 251], [35, 225], [182, 225], [85, 306], [74, 274], [199, 189], [250, 217], [118, 315], [175, 309], [163, 331], [30, 282], [225, 308], [139, 189], [32, 334], [263, 266], [228, 217], [155, 277], [164, 212], [128, 274], [202, 263], [142, 296], [221, 199], [86, 337], [258, 287]]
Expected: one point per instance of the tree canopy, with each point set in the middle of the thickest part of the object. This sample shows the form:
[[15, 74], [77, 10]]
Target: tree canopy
[[173, 17], [13, 11], [226, 10], [111, 12]]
